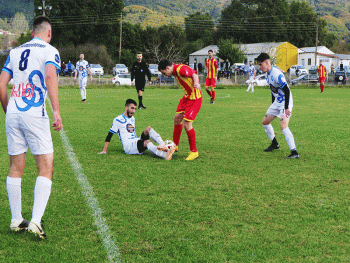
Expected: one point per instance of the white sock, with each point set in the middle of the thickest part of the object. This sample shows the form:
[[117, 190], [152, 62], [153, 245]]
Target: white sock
[[155, 136], [269, 131], [289, 138], [153, 149], [248, 87], [42, 192], [252, 87], [83, 93], [13, 186]]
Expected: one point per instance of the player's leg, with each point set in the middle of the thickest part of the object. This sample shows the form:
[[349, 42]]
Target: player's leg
[[167, 155], [151, 133], [192, 109], [180, 111], [289, 137], [207, 86], [14, 191], [252, 86], [42, 191], [140, 87], [247, 90], [270, 132], [322, 86], [213, 93]]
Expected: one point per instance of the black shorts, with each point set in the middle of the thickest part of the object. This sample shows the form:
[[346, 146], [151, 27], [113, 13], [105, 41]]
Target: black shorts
[[140, 85], [140, 143]]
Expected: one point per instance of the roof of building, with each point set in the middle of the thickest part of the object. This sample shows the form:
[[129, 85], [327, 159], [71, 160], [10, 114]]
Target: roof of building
[[343, 56], [313, 49]]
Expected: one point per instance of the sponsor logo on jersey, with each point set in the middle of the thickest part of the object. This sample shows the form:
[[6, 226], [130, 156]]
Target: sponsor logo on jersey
[[23, 90], [130, 128], [273, 89], [57, 58]]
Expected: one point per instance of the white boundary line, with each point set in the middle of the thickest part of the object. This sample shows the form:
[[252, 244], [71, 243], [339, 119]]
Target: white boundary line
[[87, 191]]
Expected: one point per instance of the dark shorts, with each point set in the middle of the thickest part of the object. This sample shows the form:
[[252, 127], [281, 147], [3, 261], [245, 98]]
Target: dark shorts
[[140, 85], [140, 143]]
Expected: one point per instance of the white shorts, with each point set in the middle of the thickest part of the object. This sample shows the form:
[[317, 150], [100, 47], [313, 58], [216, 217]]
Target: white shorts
[[278, 110], [25, 131], [251, 79], [130, 147], [82, 82]]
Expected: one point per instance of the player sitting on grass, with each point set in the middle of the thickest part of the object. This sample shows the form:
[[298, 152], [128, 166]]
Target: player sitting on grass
[[124, 126]]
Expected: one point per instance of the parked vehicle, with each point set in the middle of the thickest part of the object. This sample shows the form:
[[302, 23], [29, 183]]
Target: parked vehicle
[[346, 69], [153, 68], [165, 79], [259, 80], [119, 68], [298, 70], [122, 79], [313, 70], [96, 69], [305, 79], [238, 68], [340, 76]]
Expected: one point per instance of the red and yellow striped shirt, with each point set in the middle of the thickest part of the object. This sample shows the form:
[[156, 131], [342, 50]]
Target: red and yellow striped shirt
[[321, 71], [183, 75], [212, 66]]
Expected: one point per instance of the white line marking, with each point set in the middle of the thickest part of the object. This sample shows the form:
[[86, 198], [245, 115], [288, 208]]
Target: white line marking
[[87, 191]]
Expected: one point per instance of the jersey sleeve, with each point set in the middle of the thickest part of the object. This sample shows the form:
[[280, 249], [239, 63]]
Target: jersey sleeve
[[53, 58], [7, 66], [281, 80], [87, 65], [186, 71], [115, 126], [216, 65]]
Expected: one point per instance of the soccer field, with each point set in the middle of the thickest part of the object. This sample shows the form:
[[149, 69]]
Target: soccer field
[[235, 203]]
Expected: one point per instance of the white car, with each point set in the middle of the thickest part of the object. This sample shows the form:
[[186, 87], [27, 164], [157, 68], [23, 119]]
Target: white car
[[122, 79], [259, 80], [96, 69], [119, 68], [153, 68], [298, 70]]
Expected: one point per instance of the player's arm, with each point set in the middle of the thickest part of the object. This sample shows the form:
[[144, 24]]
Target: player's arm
[[107, 141], [286, 91], [75, 73], [5, 77], [133, 72], [52, 89], [148, 73], [196, 81]]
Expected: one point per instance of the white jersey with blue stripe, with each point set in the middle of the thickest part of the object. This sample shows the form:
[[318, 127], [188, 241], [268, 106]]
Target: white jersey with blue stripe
[[82, 68], [125, 128], [251, 71], [27, 66], [276, 80]]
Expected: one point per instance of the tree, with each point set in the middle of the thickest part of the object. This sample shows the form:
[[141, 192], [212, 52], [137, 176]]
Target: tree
[[252, 21], [19, 24], [80, 22], [199, 26], [230, 51]]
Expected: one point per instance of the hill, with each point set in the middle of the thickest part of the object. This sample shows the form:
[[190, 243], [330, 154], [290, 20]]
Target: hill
[[155, 12]]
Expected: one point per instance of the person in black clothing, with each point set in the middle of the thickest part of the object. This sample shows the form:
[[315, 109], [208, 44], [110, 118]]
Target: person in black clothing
[[138, 72]]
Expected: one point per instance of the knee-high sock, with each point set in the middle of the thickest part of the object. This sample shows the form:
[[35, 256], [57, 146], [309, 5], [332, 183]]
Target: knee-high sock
[[289, 138], [269, 131], [83, 93], [208, 91], [252, 86], [177, 133], [155, 136], [153, 149], [192, 140], [13, 186], [248, 87], [42, 192], [213, 94], [140, 101], [322, 87]]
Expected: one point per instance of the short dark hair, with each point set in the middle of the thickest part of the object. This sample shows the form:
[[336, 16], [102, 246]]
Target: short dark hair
[[39, 20], [210, 51], [139, 53], [130, 101], [163, 64], [262, 57]]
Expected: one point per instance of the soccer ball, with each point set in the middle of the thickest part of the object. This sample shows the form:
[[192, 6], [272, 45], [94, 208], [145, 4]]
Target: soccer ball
[[169, 144]]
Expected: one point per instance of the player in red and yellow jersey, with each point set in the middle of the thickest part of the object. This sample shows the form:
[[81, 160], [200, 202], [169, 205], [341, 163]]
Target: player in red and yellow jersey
[[189, 105], [212, 71], [321, 74]]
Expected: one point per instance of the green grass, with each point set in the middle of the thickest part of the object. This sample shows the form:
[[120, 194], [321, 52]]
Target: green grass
[[235, 203]]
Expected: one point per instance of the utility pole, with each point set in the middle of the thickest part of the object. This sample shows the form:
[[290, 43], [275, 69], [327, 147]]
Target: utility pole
[[121, 31], [316, 39]]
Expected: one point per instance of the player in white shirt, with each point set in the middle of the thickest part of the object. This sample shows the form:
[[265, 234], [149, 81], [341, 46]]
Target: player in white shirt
[[282, 105], [82, 67], [33, 67], [251, 76], [124, 126]]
